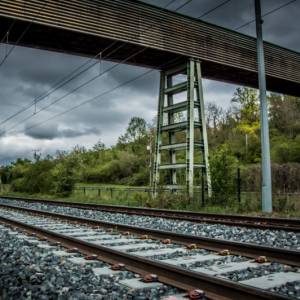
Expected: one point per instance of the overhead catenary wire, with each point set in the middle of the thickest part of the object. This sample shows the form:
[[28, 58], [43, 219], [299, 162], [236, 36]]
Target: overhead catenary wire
[[73, 74], [169, 3], [35, 125], [56, 87], [7, 32], [281, 7], [213, 9], [20, 37], [184, 4], [75, 89], [95, 98], [266, 14], [87, 82]]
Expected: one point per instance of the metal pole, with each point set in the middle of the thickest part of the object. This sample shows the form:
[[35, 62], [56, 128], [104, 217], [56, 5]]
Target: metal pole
[[265, 143], [150, 158], [202, 188]]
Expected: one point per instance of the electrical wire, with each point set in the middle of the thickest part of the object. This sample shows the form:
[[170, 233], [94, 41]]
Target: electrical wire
[[96, 97], [67, 80], [213, 9], [266, 14], [20, 38], [87, 82], [57, 86], [139, 76], [121, 85], [7, 32], [183, 5], [77, 88]]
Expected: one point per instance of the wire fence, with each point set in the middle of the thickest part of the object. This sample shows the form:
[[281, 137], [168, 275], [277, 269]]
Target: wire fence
[[177, 197]]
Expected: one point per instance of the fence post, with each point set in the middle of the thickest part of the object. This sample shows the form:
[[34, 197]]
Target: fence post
[[111, 193], [99, 193], [84, 190], [202, 189], [239, 185]]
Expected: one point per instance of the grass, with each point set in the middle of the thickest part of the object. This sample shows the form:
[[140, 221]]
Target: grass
[[284, 206]]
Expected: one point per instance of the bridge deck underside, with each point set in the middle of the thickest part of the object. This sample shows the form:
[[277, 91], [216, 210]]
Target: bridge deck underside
[[230, 60]]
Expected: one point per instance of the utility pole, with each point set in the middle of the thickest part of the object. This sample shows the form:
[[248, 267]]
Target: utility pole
[[264, 123]]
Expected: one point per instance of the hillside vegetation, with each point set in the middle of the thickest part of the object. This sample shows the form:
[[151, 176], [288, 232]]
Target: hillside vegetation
[[234, 141]]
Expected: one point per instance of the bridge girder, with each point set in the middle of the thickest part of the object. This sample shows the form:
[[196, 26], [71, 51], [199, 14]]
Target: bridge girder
[[84, 27]]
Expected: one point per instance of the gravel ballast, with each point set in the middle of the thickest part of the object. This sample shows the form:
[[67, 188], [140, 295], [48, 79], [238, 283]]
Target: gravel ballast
[[27, 270], [30, 272]]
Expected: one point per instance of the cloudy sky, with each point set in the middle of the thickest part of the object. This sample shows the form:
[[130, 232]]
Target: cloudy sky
[[29, 73]]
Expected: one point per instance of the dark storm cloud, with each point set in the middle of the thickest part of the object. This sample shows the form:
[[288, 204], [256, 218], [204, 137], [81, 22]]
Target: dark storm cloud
[[51, 132], [41, 67]]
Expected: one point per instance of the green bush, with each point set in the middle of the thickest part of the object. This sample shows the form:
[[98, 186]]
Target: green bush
[[64, 178], [223, 167]]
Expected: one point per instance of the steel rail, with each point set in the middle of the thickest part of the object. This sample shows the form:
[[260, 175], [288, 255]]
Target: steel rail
[[285, 256], [215, 288], [287, 224]]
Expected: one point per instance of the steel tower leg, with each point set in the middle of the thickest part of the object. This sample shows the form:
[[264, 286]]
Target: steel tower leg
[[202, 119], [155, 176], [172, 140], [190, 129]]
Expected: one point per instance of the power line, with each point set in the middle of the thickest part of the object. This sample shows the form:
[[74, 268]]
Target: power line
[[82, 85], [8, 30], [169, 3], [98, 96], [90, 100], [213, 9], [145, 73], [67, 80], [77, 88], [183, 5], [10, 27], [20, 38], [267, 13], [59, 85]]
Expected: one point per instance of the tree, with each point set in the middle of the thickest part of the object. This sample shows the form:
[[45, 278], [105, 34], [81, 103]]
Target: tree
[[137, 129], [214, 115], [285, 114], [99, 146], [246, 110], [246, 114]]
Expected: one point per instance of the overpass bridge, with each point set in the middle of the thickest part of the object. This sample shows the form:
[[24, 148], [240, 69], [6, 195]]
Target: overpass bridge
[[84, 27]]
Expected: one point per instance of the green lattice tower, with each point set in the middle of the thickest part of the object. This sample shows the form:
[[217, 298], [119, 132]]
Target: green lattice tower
[[192, 106]]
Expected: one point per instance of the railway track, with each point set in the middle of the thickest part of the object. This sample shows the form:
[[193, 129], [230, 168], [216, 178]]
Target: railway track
[[224, 270], [287, 224]]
